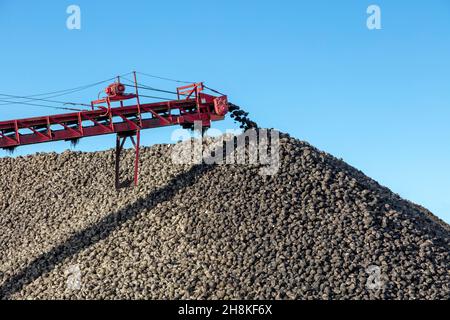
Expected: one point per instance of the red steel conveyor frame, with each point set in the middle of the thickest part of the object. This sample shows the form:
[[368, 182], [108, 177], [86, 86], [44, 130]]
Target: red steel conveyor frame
[[125, 121]]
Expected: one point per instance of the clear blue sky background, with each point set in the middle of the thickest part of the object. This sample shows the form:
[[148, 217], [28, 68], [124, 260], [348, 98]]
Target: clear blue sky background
[[378, 99]]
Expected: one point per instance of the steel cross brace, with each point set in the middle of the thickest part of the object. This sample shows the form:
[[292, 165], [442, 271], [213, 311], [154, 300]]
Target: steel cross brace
[[120, 142]]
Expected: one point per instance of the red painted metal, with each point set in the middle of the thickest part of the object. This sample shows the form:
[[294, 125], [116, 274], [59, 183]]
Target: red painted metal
[[125, 121], [137, 99], [120, 142], [136, 160], [221, 106], [115, 89], [106, 120]]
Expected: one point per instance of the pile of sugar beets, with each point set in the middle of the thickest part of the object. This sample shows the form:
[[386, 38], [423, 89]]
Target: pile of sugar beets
[[317, 229]]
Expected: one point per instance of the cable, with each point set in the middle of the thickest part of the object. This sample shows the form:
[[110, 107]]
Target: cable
[[215, 91], [162, 78], [29, 98], [171, 92], [149, 88], [37, 99], [80, 87], [59, 93], [132, 85], [44, 106], [145, 87], [179, 81], [153, 97]]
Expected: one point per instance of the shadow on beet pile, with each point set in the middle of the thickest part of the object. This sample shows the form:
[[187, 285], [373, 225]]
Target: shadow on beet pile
[[89, 236]]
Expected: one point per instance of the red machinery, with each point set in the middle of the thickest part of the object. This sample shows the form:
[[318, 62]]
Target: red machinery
[[124, 121]]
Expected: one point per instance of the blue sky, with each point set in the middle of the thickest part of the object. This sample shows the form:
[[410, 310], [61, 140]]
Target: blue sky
[[379, 99]]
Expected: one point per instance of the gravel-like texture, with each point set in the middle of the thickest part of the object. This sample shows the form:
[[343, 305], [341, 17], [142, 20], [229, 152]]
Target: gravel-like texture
[[225, 231]]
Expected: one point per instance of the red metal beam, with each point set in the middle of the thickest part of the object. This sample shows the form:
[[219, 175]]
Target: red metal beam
[[109, 120]]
